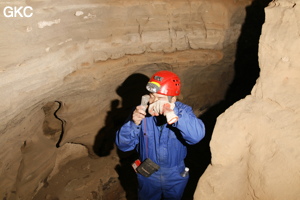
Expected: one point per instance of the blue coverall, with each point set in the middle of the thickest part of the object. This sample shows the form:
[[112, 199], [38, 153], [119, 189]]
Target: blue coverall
[[166, 146]]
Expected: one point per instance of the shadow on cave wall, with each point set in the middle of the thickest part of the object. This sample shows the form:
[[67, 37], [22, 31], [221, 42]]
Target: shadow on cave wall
[[131, 91], [246, 73]]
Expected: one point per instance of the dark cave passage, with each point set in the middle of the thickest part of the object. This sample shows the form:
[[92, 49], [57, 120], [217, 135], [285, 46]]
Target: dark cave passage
[[246, 74]]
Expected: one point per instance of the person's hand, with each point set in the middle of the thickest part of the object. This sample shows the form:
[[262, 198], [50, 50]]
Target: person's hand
[[157, 108], [138, 114], [170, 114], [160, 107], [168, 107], [163, 108]]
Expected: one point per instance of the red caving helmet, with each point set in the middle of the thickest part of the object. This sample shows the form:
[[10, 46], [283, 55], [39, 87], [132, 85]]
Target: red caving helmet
[[164, 82]]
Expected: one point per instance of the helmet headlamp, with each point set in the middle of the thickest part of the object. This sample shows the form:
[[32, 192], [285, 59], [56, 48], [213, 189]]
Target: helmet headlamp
[[153, 87]]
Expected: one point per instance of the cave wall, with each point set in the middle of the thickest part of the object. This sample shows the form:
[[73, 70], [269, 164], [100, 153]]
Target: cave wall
[[65, 70], [256, 143]]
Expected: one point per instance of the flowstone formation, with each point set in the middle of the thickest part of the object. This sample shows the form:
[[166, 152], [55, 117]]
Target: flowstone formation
[[256, 142]]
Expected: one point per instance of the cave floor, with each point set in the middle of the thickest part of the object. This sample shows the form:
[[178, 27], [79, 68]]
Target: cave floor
[[83, 179], [90, 178]]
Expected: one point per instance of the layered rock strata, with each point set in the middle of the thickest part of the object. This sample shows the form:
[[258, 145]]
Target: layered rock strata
[[71, 71]]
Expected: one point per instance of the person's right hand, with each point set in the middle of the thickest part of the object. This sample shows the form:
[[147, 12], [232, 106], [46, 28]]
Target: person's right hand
[[138, 114]]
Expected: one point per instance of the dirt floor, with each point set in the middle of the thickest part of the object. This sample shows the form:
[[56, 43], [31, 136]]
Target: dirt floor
[[85, 179], [109, 178]]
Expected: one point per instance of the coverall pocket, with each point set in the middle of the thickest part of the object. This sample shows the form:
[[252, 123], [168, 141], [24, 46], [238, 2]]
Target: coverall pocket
[[180, 170]]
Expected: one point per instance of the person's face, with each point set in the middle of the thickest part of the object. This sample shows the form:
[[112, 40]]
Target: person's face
[[155, 97]]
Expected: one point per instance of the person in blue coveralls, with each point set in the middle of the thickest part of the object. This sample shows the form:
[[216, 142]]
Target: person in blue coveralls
[[160, 131]]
